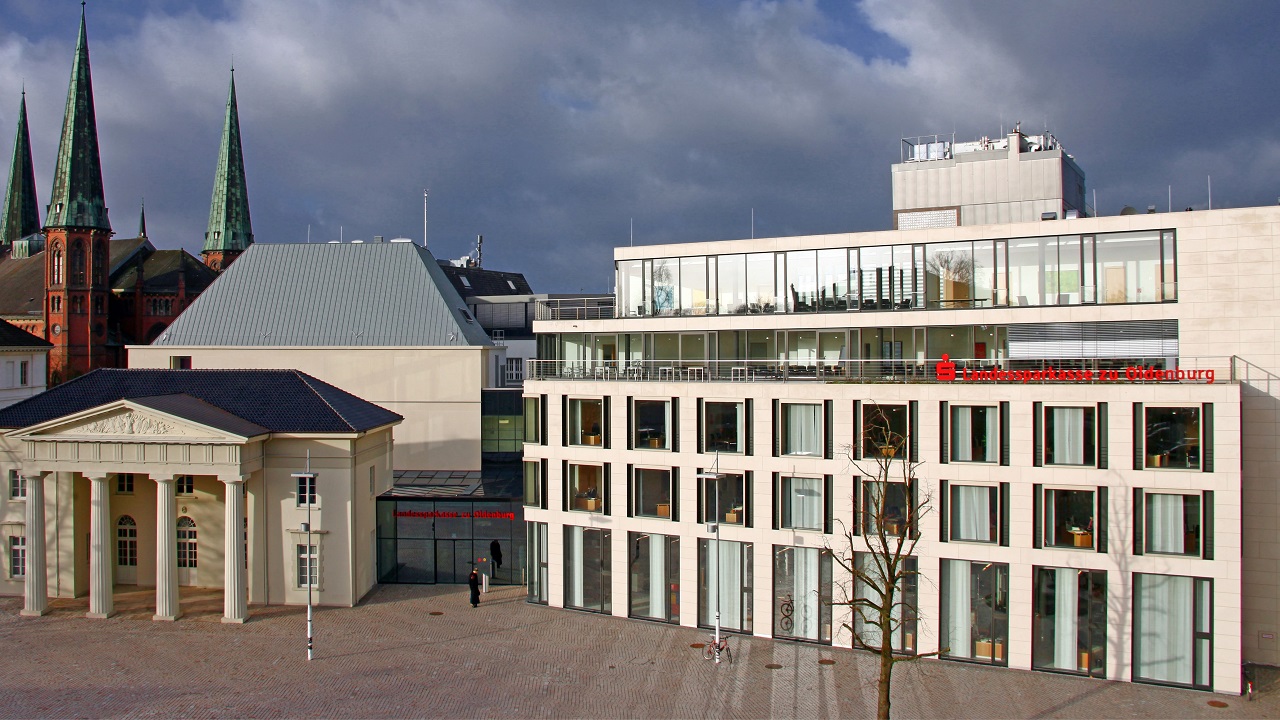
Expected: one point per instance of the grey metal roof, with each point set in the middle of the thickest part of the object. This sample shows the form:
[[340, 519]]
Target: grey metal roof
[[330, 294]]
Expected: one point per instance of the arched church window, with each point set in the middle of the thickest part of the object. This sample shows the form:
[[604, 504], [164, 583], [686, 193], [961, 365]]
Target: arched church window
[[77, 263], [57, 264]]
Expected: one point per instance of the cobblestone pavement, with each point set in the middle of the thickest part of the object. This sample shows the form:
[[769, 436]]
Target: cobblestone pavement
[[423, 651]]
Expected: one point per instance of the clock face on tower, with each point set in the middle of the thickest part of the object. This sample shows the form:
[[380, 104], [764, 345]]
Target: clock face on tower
[[57, 329]]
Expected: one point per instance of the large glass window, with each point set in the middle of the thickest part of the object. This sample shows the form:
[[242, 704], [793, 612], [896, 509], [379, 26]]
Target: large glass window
[[1128, 267], [1070, 437], [875, 273], [1068, 518], [1172, 523], [586, 420], [801, 504], [653, 493], [725, 584], [802, 281], [949, 275], [724, 427], [1173, 630], [869, 585], [975, 611], [975, 434], [630, 288], [653, 424], [666, 279], [693, 285], [887, 504], [974, 513], [654, 576], [802, 593], [536, 540], [760, 285], [1069, 625], [586, 488], [833, 279], [725, 494], [732, 284], [1172, 437], [587, 577], [532, 419], [801, 429], [884, 430], [533, 483]]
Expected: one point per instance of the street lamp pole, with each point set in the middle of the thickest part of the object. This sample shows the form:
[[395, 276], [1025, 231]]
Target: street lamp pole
[[309, 485], [714, 526]]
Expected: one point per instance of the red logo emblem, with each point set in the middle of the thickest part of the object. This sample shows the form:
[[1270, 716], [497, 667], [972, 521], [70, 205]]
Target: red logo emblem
[[945, 370]]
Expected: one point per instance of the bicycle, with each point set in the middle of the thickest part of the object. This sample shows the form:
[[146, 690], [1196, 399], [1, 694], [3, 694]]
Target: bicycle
[[1246, 673], [712, 649], [787, 610]]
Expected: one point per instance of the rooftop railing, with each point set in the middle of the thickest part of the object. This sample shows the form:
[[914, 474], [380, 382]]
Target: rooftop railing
[[1204, 370], [577, 308]]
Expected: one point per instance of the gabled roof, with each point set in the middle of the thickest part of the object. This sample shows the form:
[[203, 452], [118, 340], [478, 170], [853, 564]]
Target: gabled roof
[[22, 286], [160, 273], [331, 294], [20, 216], [77, 200], [229, 225], [285, 401], [12, 336]]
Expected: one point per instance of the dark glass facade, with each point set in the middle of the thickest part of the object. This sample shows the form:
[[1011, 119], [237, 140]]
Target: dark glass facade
[[438, 541]]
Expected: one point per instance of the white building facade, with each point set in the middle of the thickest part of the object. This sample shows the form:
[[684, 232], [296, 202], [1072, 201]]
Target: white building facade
[[1081, 506]]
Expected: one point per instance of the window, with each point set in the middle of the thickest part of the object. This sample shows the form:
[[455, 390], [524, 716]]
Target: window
[[870, 583], [1172, 437], [179, 362], [974, 513], [974, 434], [1172, 523], [306, 490], [800, 503], [726, 495], [586, 488], [586, 419], [184, 484], [24, 374], [654, 576], [1069, 436], [653, 493], [653, 423], [884, 430], [890, 504], [1069, 624], [17, 556], [308, 565], [724, 427], [124, 483], [588, 576], [57, 264], [802, 593], [186, 542], [536, 542], [534, 492], [725, 584], [1173, 630], [126, 542], [975, 611], [1069, 518], [801, 429], [17, 486], [533, 419], [514, 369]]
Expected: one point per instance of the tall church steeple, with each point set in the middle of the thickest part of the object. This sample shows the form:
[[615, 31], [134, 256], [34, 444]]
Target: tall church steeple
[[77, 199], [230, 229], [20, 215]]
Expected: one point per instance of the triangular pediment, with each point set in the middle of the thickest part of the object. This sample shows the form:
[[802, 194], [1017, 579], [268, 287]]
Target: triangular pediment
[[128, 422]]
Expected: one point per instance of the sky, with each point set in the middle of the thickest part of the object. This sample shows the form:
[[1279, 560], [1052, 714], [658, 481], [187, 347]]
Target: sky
[[562, 129]]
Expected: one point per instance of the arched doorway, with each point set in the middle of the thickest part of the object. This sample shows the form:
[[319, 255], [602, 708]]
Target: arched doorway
[[126, 551], [186, 551]]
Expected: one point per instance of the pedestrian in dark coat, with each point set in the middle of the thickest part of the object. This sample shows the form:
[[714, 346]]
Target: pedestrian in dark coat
[[474, 582]]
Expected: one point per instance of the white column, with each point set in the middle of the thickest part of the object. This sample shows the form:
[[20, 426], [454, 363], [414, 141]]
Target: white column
[[35, 590], [100, 596], [235, 601], [167, 607]]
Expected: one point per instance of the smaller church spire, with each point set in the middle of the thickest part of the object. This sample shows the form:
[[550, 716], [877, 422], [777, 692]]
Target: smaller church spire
[[20, 215], [142, 220], [230, 229]]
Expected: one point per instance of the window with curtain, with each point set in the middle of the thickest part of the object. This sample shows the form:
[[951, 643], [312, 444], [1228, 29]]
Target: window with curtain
[[652, 493], [904, 610], [725, 583], [801, 429], [1173, 629], [1069, 518], [1172, 523], [1069, 621], [654, 576], [802, 593], [975, 611], [723, 426], [1070, 437], [802, 503], [726, 495], [974, 513], [887, 504], [975, 434], [652, 424], [884, 430], [587, 569], [1172, 437]]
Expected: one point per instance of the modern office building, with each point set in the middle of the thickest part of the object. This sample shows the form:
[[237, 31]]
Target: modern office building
[[1088, 407]]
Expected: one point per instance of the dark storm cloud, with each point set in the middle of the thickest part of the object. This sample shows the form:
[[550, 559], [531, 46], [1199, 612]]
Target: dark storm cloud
[[548, 127]]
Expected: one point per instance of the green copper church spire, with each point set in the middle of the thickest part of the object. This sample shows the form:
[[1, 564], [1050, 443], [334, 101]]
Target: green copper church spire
[[230, 229], [77, 200], [20, 215]]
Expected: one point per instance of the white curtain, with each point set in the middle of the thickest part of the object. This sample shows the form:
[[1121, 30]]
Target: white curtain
[[992, 438], [804, 429], [1167, 524], [1165, 640], [959, 615], [806, 503], [806, 593], [575, 566], [869, 632], [973, 512], [728, 582], [1068, 436], [657, 576], [1066, 599], [962, 434]]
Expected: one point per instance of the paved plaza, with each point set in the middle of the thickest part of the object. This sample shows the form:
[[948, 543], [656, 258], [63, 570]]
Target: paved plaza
[[421, 651]]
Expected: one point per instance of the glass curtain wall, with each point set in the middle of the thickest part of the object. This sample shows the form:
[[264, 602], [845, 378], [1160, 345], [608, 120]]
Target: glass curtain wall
[[802, 593], [725, 584], [588, 576], [655, 576], [1070, 621], [833, 280], [631, 288], [975, 611], [731, 275], [1173, 630]]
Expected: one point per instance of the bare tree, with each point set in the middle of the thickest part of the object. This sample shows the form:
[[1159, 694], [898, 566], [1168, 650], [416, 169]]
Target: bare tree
[[886, 528]]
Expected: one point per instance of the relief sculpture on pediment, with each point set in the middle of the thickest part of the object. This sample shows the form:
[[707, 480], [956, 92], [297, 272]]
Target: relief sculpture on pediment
[[129, 424]]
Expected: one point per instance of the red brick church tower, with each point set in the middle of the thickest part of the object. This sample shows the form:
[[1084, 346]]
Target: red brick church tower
[[77, 232]]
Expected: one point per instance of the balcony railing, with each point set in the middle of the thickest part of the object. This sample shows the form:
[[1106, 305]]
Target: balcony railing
[[577, 308], [1205, 370]]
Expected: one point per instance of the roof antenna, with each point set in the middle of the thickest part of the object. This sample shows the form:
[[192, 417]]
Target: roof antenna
[[424, 218], [753, 223]]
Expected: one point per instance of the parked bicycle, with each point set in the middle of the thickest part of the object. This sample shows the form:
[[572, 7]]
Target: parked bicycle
[[786, 611], [713, 649]]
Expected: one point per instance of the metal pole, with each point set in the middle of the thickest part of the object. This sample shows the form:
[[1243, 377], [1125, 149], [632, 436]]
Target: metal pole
[[717, 550], [309, 485]]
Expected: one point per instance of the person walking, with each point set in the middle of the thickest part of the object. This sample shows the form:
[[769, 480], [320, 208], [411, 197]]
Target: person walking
[[473, 581]]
